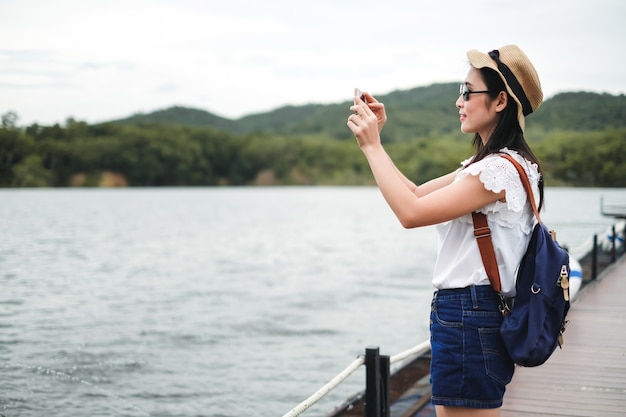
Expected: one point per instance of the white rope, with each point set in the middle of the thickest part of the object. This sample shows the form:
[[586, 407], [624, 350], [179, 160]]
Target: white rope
[[306, 404], [416, 350], [586, 247], [333, 383], [581, 250]]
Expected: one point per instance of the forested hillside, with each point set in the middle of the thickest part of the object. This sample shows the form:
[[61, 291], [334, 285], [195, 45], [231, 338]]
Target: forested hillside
[[412, 114], [579, 137]]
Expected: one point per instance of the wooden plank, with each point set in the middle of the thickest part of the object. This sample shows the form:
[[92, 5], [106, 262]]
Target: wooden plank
[[588, 376]]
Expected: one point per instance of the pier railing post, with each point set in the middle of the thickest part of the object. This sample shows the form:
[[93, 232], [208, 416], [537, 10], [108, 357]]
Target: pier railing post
[[594, 258], [372, 382], [613, 245], [376, 383], [385, 370]]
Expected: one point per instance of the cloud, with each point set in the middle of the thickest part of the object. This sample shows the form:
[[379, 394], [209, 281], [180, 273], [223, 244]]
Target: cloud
[[168, 88], [101, 60]]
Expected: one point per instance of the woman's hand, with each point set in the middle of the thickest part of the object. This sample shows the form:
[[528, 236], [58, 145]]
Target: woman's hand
[[365, 123], [377, 108]]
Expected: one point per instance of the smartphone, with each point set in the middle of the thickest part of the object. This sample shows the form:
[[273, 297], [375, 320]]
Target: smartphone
[[360, 95]]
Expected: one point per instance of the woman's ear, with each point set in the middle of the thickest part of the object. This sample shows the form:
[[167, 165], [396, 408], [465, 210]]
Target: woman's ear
[[501, 101]]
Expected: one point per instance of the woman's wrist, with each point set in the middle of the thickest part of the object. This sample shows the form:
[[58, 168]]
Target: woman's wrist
[[371, 148]]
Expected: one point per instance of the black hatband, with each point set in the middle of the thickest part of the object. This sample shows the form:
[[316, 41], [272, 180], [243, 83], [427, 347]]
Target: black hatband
[[511, 80]]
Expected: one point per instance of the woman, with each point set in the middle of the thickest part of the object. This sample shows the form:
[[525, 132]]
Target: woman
[[470, 367]]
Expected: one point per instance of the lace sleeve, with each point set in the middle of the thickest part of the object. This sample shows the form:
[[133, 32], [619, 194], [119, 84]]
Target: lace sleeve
[[499, 174]]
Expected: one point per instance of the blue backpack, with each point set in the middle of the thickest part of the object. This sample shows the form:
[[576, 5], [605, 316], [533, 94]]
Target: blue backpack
[[534, 321]]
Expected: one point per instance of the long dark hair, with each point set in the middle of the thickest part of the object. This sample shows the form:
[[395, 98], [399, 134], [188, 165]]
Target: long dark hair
[[507, 132]]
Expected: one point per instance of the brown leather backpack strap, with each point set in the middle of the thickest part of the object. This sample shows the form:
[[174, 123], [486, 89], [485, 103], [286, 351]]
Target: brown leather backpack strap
[[482, 232], [525, 182]]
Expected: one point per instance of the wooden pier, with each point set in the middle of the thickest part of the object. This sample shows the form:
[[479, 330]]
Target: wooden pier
[[588, 376]]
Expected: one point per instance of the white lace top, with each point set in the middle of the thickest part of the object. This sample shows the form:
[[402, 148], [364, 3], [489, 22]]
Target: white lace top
[[459, 263]]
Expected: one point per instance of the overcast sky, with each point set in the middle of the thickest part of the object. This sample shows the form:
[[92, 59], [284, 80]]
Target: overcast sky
[[101, 60]]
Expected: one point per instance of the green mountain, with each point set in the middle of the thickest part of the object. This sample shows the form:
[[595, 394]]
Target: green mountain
[[415, 113], [184, 116], [581, 111]]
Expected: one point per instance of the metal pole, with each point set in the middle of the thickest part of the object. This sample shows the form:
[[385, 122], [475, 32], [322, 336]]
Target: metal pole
[[594, 258], [372, 382], [613, 245], [385, 369]]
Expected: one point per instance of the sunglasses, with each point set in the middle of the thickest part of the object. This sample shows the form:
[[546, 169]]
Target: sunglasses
[[465, 92]]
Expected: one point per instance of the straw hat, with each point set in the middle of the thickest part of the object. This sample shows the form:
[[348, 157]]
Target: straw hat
[[517, 72]]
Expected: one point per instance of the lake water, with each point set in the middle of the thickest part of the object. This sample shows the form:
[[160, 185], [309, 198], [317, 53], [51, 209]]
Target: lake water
[[213, 301]]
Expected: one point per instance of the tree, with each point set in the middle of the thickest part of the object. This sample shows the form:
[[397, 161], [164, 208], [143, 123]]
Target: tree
[[9, 120], [31, 173]]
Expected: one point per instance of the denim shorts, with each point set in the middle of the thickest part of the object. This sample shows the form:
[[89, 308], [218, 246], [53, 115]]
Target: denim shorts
[[469, 365]]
